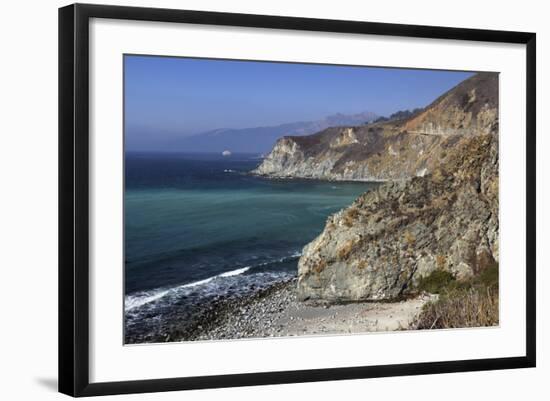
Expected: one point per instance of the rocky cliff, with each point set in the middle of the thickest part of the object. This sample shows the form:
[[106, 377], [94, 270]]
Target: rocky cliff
[[389, 238], [441, 213], [395, 150]]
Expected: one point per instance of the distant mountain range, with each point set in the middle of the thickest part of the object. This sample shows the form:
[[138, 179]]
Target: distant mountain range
[[262, 139]]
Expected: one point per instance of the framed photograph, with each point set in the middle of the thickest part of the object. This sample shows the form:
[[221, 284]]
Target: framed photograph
[[251, 199]]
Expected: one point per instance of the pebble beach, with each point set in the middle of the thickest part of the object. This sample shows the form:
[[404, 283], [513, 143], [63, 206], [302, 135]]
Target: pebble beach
[[276, 312]]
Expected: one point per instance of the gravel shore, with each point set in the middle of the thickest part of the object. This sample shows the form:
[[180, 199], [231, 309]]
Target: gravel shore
[[275, 312]]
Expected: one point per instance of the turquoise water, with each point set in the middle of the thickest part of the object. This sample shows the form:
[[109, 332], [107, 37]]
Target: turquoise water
[[199, 226]]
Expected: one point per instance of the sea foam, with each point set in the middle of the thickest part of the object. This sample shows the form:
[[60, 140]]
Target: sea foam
[[134, 301], [145, 297]]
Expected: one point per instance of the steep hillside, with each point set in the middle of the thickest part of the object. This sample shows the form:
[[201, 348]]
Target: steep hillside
[[439, 213], [390, 238], [394, 150]]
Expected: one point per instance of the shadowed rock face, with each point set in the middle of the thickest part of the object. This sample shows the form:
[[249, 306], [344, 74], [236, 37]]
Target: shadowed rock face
[[439, 209], [390, 151]]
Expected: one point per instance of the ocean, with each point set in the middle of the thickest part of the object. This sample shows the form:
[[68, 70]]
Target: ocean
[[199, 228]]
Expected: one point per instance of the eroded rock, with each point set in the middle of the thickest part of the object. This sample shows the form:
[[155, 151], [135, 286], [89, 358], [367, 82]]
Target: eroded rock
[[395, 150], [389, 238]]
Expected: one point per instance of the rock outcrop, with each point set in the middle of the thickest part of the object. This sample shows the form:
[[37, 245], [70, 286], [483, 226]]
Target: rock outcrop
[[439, 209], [390, 237], [390, 151]]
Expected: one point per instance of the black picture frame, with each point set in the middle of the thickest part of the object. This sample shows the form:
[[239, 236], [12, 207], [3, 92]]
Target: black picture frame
[[74, 198]]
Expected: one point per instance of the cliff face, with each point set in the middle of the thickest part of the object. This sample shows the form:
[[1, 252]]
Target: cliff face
[[390, 151], [389, 238], [440, 211]]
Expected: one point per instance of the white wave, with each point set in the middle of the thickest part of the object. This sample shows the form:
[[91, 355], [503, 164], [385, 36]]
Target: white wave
[[283, 259], [135, 301], [235, 272], [143, 298], [131, 302], [296, 254]]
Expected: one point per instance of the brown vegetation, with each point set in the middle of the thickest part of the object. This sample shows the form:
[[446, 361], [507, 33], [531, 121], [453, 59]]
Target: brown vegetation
[[319, 266], [351, 216], [345, 250], [471, 304]]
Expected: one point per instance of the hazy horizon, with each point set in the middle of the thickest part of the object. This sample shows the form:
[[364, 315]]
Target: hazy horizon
[[167, 98]]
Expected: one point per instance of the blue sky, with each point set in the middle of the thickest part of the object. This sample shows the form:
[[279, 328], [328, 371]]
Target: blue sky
[[166, 97]]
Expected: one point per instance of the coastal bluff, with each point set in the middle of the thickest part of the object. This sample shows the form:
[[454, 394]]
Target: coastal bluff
[[390, 150], [391, 237], [438, 207]]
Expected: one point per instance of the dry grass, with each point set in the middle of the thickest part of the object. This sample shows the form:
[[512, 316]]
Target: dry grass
[[363, 264], [471, 304], [350, 216], [471, 308], [439, 175], [441, 261], [319, 266], [409, 238], [345, 250]]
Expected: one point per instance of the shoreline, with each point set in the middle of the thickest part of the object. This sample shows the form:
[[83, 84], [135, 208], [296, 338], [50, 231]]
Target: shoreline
[[275, 312], [322, 179]]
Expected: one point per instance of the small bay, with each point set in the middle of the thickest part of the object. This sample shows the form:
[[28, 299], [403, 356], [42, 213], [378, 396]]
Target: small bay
[[198, 226]]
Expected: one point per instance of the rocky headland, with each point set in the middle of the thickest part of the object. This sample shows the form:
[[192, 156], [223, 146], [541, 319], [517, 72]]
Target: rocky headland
[[420, 251], [390, 150], [393, 236], [436, 212]]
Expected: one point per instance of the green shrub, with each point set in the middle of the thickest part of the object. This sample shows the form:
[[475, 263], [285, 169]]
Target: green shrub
[[487, 278], [436, 281]]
